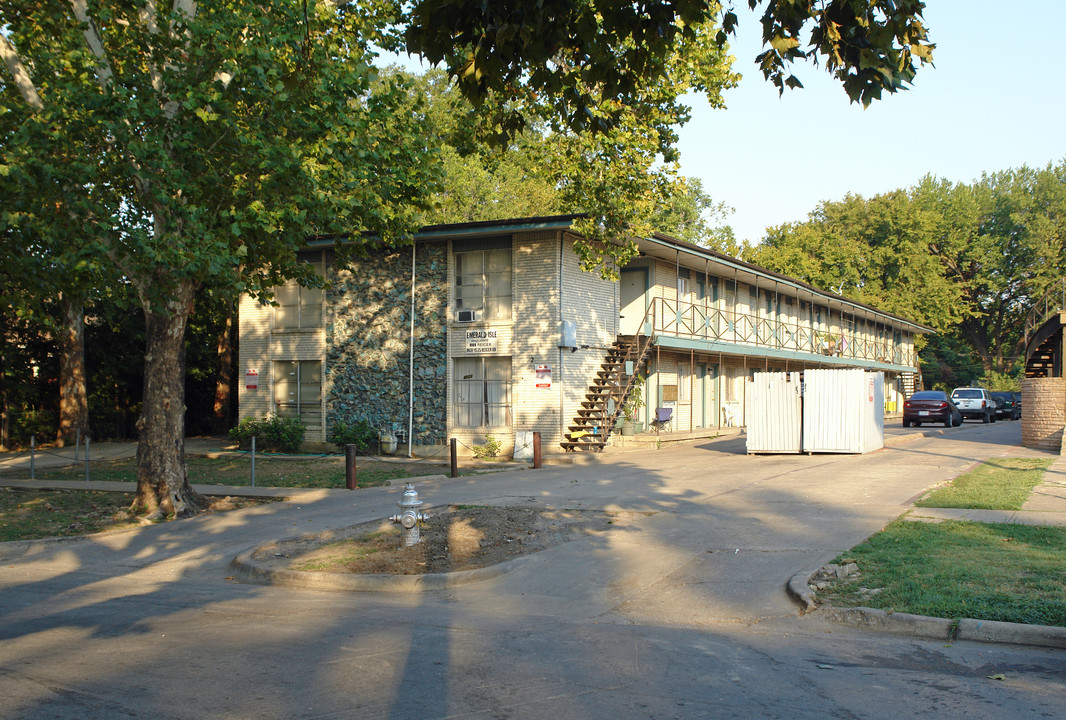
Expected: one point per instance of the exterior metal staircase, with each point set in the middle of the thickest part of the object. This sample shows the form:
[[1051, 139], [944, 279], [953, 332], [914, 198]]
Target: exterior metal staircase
[[607, 394]]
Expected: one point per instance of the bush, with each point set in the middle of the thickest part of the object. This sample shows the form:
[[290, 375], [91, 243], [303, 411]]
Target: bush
[[359, 433], [489, 450], [272, 434], [43, 425]]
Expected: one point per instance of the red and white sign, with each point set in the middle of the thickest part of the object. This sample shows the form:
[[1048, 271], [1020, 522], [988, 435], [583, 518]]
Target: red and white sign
[[544, 376], [251, 380]]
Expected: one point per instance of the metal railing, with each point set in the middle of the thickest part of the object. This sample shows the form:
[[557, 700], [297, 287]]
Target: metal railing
[[1053, 301], [698, 321]]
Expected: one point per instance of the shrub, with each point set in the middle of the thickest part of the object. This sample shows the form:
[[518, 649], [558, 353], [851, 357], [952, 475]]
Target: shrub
[[272, 434], [359, 433], [489, 450]]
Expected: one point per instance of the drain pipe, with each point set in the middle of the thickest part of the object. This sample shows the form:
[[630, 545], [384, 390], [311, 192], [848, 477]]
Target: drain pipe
[[411, 369]]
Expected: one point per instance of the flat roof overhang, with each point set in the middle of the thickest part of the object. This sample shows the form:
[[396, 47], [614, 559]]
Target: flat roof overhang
[[715, 347]]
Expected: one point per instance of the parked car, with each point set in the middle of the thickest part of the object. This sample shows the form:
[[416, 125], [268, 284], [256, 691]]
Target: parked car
[[931, 406], [1009, 408], [1018, 403], [975, 403]]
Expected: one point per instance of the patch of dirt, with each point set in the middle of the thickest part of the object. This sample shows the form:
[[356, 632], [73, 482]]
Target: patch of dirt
[[453, 539]]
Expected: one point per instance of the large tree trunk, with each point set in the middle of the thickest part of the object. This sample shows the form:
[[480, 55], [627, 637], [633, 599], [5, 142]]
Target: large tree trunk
[[162, 479], [73, 395], [221, 418]]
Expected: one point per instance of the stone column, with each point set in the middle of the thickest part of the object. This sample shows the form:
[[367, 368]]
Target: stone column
[[1043, 413]]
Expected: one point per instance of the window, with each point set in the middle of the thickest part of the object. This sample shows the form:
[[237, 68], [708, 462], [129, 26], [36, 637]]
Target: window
[[684, 284], [482, 279], [298, 307], [298, 390], [482, 392], [684, 382]]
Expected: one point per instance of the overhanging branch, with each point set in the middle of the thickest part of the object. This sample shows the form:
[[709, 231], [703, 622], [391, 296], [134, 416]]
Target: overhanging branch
[[19, 74]]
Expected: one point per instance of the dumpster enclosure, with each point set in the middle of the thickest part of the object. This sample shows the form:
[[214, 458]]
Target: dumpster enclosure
[[823, 411]]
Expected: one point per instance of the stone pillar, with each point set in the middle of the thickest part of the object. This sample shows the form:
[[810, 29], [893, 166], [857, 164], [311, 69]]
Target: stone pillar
[[1043, 413]]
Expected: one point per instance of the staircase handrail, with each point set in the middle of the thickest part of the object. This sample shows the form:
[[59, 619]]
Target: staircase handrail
[[638, 349], [1040, 312]]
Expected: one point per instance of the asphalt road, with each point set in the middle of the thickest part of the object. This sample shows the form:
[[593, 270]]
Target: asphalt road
[[680, 612]]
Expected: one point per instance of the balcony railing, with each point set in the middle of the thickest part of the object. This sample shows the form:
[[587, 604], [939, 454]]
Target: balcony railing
[[697, 321]]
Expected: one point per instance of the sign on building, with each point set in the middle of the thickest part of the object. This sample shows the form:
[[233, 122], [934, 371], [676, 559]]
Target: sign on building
[[544, 376], [481, 342]]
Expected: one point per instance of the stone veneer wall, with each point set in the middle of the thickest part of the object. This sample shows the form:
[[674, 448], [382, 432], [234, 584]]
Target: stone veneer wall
[[1043, 413], [368, 315]]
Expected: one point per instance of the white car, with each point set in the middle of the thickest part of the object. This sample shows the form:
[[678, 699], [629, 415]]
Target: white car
[[975, 403]]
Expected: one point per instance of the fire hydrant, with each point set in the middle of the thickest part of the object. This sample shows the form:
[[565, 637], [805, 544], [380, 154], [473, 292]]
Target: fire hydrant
[[410, 518]]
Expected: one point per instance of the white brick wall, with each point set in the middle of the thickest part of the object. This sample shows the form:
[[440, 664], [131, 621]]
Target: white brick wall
[[260, 345], [547, 287]]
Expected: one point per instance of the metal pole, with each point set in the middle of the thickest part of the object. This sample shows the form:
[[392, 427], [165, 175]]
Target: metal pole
[[86, 458], [411, 370], [349, 467], [455, 459], [536, 451], [253, 460], [33, 456]]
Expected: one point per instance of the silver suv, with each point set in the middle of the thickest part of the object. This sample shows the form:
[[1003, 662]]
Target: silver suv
[[975, 403]]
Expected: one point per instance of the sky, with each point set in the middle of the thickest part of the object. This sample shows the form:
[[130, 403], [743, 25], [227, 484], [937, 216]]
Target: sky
[[995, 100]]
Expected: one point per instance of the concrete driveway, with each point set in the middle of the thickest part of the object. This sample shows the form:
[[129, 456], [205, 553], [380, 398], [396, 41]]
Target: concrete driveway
[[679, 612]]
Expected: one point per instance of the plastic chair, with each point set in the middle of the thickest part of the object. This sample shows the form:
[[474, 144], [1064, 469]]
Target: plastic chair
[[730, 415]]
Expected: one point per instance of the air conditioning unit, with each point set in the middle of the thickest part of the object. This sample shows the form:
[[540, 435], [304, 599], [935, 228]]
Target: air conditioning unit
[[466, 315]]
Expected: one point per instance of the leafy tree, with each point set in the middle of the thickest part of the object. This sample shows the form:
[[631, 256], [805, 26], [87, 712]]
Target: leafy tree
[[966, 259], [694, 217], [533, 173], [222, 136], [615, 70]]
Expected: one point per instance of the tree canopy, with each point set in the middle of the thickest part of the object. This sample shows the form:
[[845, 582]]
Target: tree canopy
[[209, 140], [968, 259], [611, 73]]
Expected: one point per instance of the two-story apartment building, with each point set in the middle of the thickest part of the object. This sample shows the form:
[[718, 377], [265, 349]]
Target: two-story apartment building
[[492, 328]]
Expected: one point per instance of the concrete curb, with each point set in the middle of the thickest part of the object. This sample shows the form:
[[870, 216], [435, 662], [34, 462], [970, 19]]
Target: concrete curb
[[896, 623], [246, 569], [799, 590], [1017, 633], [921, 626]]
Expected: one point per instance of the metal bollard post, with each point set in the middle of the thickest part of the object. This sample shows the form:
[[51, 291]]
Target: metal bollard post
[[349, 467], [86, 458], [455, 460], [536, 450], [33, 456], [253, 460]]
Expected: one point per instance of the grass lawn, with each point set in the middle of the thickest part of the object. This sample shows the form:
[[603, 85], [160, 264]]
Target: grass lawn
[[1002, 484], [1013, 573], [33, 514], [314, 471], [986, 571]]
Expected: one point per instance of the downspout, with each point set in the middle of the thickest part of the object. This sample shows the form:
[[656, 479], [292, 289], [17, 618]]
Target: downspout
[[411, 372], [559, 330]]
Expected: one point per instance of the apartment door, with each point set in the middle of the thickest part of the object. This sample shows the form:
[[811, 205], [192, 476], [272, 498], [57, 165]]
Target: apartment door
[[633, 293], [705, 411]]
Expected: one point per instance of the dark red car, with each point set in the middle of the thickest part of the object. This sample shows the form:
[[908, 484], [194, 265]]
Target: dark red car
[[931, 406]]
